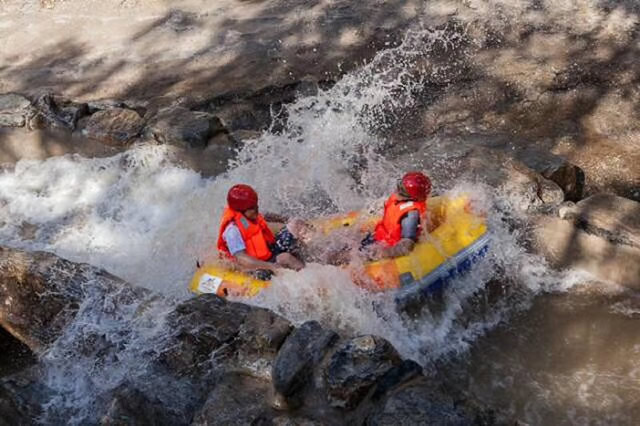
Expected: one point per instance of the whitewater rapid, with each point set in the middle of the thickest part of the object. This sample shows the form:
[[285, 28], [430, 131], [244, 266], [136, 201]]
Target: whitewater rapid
[[146, 219]]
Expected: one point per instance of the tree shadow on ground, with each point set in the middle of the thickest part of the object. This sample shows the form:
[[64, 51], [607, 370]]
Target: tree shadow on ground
[[265, 44], [536, 81]]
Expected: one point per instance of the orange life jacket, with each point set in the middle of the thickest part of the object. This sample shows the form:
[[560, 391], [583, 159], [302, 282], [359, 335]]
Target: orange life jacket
[[256, 235], [389, 229]]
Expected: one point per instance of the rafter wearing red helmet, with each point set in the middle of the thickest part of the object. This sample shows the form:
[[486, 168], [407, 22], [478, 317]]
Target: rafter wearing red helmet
[[245, 236], [403, 220]]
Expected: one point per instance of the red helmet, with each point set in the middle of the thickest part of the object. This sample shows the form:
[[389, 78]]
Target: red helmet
[[416, 185], [242, 197]]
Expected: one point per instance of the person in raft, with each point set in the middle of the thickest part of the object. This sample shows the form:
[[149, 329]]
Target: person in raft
[[245, 236], [403, 220]]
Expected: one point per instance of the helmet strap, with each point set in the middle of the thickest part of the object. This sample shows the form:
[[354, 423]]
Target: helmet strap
[[401, 190]]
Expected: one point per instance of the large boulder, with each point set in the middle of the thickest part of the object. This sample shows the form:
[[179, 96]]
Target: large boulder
[[184, 128], [14, 110], [57, 112], [236, 399], [609, 216], [355, 368], [421, 403], [238, 335], [114, 126], [259, 338], [567, 245], [568, 176], [40, 294], [299, 354], [130, 406]]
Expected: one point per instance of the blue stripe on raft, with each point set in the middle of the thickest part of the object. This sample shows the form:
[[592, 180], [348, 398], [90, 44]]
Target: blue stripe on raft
[[449, 270]]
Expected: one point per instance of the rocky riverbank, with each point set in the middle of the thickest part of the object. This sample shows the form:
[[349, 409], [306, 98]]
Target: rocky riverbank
[[219, 362]]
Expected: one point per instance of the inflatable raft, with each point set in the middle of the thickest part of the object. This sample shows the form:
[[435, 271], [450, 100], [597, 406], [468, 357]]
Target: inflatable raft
[[457, 240]]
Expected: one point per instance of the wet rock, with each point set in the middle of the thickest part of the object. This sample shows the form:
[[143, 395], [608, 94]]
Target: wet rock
[[40, 294], [614, 218], [14, 110], [35, 304], [14, 355], [294, 421], [57, 112], [526, 187], [99, 105], [420, 403], [214, 159], [201, 325], [236, 399], [549, 192], [302, 350], [355, 368], [259, 337], [568, 176], [102, 104], [114, 127], [18, 406], [240, 136], [566, 245], [11, 411], [245, 116], [601, 234], [236, 333], [130, 406], [397, 375], [184, 128], [263, 331], [259, 110]]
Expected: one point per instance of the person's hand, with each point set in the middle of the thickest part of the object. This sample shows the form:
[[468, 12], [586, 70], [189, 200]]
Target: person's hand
[[300, 229], [403, 247], [373, 252]]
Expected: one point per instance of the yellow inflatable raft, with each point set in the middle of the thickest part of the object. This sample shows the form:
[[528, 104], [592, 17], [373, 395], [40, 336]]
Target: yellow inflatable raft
[[458, 239]]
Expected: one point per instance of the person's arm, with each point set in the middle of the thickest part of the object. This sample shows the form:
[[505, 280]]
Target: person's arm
[[403, 247], [410, 224], [409, 234], [237, 248], [250, 262]]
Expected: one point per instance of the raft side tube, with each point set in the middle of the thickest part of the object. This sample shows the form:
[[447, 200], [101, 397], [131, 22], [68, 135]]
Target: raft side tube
[[223, 282], [435, 282]]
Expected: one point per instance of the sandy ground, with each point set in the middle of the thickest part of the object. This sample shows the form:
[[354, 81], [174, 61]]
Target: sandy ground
[[90, 49]]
